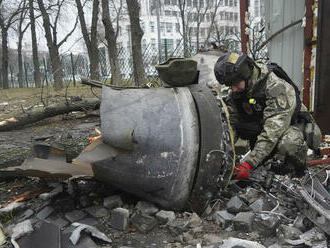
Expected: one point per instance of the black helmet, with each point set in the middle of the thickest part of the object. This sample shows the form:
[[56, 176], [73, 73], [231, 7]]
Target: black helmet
[[232, 68]]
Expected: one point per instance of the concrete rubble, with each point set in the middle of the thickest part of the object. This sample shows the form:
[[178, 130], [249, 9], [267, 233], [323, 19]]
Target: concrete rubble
[[260, 220]]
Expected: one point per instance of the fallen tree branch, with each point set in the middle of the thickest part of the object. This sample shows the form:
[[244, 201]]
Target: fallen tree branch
[[49, 111]]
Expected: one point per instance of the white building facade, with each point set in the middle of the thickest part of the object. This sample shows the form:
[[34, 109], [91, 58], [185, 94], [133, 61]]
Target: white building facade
[[167, 29]]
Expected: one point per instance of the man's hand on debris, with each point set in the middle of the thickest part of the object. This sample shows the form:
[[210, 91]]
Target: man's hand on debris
[[242, 171]]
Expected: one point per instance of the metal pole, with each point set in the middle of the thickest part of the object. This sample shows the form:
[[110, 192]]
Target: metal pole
[[307, 92], [244, 5], [165, 43], [158, 31], [45, 69], [73, 72], [11, 77], [26, 76]]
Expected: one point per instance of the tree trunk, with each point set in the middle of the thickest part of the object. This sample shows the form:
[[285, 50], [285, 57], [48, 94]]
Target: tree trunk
[[57, 69], [49, 111], [136, 36], [37, 79], [90, 40], [20, 61], [5, 58], [111, 38], [182, 6], [197, 36]]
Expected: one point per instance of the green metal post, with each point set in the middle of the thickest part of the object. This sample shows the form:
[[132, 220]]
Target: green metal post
[[165, 43], [73, 72], [45, 69], [11, 76], [26, 75]]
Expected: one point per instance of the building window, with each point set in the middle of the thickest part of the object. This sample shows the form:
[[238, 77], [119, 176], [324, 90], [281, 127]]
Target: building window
[[227, 16], [174, 2], [169, 27], [174, 13], [208, 17], [231, 16], [222, 15], [226, 2], [152, 27], [177, 27], [201, 3], [235, 3], [168, 13], [231, 3], [235, 17], [167, 2], [195, 3], [162, 27], [189, 3], [221, 3]]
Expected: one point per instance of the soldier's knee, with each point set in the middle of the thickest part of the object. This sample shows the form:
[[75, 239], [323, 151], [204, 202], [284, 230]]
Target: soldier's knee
[[292, 143]]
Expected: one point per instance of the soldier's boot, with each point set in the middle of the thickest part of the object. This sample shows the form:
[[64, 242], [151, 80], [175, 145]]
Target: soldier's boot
[[294, 149]]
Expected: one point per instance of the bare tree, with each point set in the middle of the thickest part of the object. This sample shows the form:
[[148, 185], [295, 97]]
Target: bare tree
[[213, 13], [182, 10], [21, 29], [133, 7], [52, 42], [90, 39], [9, 14], [201, 9], [111, 36], [36, 71]]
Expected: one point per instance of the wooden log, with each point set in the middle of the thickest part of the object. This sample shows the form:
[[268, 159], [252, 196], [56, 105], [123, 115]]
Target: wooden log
[[49, 111]]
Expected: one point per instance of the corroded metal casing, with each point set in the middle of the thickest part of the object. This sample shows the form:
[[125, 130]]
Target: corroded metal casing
[[156, 133]]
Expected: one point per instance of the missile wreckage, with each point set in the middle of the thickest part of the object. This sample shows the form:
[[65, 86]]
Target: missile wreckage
[[171, 145]]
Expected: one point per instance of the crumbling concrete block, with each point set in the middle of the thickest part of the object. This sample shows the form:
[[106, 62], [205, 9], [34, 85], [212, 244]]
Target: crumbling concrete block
[[223, 218], [251, 195], [266, 224], [147, 208], [144, 223], [262, 204], [112, 202], [165, 216], [119, 218], [241, 243], [243, 221], [45, 212], [236, 205], [195, 220], [97, 211]]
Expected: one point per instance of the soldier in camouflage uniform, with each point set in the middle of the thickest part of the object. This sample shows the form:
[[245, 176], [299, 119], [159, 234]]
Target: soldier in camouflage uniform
[[265, 110]]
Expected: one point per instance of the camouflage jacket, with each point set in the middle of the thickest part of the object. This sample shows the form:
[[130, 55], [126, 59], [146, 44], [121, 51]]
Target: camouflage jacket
[[276, 114]]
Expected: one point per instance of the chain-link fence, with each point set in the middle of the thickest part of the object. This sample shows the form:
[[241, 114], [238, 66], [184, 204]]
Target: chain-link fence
[[77, 66]]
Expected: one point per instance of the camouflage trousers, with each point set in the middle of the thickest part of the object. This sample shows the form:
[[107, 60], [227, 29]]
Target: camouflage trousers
[[293, 147]]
